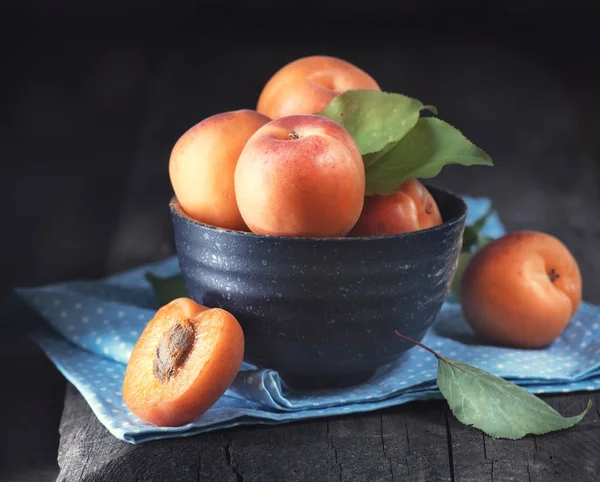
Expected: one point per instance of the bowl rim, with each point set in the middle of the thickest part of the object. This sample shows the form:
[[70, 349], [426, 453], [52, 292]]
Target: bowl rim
[[177, 211]]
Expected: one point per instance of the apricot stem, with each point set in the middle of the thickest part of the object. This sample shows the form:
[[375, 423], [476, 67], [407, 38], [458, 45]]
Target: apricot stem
[[294, 135], [173, 349], [553, 275]]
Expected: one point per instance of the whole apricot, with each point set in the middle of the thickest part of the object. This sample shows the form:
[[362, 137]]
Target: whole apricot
[[202, 166], [521, 290], [411, 208], [300, 175], [307, 85]]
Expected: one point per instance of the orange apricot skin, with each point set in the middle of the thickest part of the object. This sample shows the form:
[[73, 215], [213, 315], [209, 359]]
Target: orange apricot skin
[[508, 297], [411, 208], [312, 186], [308, 84], [202, 165], [203, 385]]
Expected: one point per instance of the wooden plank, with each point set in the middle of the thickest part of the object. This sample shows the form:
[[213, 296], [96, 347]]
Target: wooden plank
[[30, 411], [363, 449], [559, 456], [415, 440], [478, 458], [391, 445], [282, 453], [88, 452], [556, 456]]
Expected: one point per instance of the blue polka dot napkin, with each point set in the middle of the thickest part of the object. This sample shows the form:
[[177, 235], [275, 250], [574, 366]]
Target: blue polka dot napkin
[[93, 326]]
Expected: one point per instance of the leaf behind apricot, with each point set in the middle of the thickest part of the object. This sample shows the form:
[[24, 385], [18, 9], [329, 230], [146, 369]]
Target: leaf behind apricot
[[496, 406], [166, 289], [464, 258], [375, 119], [429, 146], [472, 242]]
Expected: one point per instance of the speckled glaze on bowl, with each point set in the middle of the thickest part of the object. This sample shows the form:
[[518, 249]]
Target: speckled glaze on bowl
[[322, 312]]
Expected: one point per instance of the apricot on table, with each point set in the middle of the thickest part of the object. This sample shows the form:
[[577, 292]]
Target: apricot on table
[[202, 165], [184, 361], [307, 85], [521, 290], [411, 208], [300, 175]]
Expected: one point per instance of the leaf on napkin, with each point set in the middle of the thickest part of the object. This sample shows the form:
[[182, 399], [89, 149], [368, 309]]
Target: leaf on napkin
[[167, 289], [429, 146], [496, 406], [374, 119]]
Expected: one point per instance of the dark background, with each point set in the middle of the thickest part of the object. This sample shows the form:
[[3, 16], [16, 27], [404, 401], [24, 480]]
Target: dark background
[[93, 96]]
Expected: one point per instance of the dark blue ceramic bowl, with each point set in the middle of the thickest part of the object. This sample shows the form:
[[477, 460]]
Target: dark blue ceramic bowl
[[322, 312]]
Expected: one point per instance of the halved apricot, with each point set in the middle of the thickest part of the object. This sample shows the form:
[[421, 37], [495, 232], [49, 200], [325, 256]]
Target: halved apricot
[[184, 361]]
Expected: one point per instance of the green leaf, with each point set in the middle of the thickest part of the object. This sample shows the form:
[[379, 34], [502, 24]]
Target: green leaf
[[472, 237], [167, 289], [374, 119], [421, 153], [464, 258], [472, 242], [496, 406]]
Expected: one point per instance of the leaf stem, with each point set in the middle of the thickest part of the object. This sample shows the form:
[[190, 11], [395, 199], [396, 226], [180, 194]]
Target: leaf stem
[[433, 352], [425, 347]]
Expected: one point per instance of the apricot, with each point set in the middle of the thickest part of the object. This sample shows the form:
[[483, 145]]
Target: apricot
[[184, 361], [411, 208], [202, 165], [307, 85], [300, 175], [521, 290]]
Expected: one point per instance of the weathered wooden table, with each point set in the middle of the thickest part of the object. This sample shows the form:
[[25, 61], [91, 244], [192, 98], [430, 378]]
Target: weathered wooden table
[[89, 145]]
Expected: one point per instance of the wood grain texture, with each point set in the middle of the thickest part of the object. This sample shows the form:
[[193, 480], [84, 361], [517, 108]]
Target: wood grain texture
[[124, 113], [559, 456]]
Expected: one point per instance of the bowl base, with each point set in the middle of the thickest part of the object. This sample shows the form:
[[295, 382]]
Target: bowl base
[[303, 381]]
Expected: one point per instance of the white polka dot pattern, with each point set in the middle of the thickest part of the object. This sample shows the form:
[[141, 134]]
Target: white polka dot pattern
[[96, 324]]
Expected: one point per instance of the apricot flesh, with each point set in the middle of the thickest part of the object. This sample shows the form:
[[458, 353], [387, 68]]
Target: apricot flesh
[[307, 85], [300, 175], [521, 290], [184, 361], [202, 165], [411, 208]]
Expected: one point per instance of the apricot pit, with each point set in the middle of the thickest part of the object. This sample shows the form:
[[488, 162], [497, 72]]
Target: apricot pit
[[174, 348]]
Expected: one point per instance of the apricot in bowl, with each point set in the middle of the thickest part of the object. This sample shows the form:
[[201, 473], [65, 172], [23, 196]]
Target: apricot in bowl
[[322, 311]]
